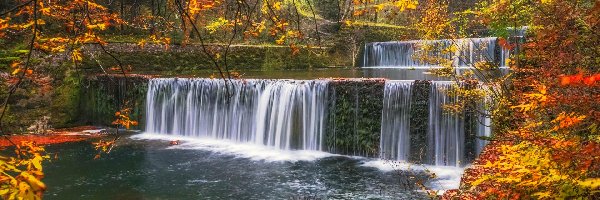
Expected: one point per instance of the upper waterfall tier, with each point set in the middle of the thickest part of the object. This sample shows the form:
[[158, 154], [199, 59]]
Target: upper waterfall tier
[[285, 114], [413, 54]]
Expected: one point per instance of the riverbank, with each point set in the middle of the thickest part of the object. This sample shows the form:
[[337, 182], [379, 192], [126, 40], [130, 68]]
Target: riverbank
[[58, 136]]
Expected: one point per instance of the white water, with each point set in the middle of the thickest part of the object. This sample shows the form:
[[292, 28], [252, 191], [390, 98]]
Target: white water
[[238, 149], [407, 54], [266, 119], [395, 122], [284, 114], [446, 177], [446, 133]]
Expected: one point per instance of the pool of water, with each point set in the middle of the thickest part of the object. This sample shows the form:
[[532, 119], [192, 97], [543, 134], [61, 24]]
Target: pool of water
[[143, 167]]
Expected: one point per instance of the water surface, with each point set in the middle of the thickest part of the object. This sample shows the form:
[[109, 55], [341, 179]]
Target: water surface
[[151, 169]]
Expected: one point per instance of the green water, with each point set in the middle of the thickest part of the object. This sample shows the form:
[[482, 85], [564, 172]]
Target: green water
[[149, 169]]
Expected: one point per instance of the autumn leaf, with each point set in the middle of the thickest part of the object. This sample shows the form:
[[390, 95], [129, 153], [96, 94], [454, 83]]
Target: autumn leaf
[[215, 25], [281, 40], [295, 49], [142, 43], [277, 5], [16, 71], [76, 56], [566, 120]]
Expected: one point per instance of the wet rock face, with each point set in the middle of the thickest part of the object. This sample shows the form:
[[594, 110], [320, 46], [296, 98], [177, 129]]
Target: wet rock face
[[104, 95], [355, 117], [419, 118], [350, 110]]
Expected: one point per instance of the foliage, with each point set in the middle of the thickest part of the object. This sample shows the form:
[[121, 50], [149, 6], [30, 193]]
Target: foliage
[[500, 16], [541, 169], [435, 20], [122, 119], [354, 121], [368, 6], [20, 176], [546, 109]]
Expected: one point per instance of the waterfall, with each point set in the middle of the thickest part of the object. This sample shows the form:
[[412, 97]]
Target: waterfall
[[409, 54], [285, 114], [446, 140], [483, 128], [292, 115], [395, 122], [446, 134]]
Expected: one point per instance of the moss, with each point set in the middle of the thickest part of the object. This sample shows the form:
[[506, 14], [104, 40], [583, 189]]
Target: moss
[[55, 97], [419, 121], [104, 95], [65, 102], [355, 117], [177, 59], [471, 126]]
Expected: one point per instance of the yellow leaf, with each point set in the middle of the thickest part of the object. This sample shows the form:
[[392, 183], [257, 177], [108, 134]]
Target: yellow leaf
[[348, 23], [593, 183], [218, 23], [23, 187], [16, 71], [277, 5], [37, 162], [142, 43], [281, 40], [34, 182], [542, 195], [379, 7], [76, 56]]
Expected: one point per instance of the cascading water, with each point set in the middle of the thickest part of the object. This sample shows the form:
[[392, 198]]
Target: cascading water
[[483, 129], [446, 140], [291, 114], [406, 54], [285, 114], [395, 122], [446, 134]]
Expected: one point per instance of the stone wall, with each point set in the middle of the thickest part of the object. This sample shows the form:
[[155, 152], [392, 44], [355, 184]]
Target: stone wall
[[178, 60]]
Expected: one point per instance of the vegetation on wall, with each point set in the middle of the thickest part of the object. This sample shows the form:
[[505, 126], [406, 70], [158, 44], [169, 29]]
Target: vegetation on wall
[[156, 59], [102, 95], [355, 117], [419, 121]]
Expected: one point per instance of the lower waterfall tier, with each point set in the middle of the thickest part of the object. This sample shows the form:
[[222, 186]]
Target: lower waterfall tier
[[398, 120]]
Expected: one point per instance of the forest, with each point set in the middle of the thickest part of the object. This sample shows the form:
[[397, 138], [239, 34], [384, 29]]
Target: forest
[[300, 99]]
